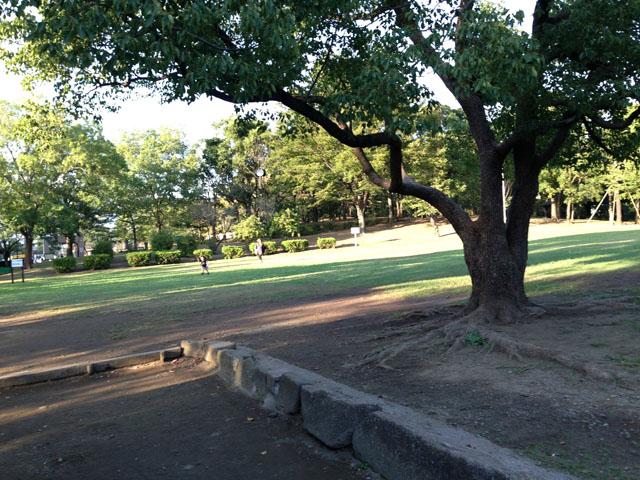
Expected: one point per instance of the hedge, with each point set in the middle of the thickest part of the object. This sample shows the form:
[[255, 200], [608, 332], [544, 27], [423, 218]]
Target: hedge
[[268, 248], [229, 251], [64, 264], [164, 257], [97, 261], [328, 242], [205, 252], [139, 259], [295, 245]]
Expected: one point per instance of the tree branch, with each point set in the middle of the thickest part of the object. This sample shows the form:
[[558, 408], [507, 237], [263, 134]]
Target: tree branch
[[622, 124]]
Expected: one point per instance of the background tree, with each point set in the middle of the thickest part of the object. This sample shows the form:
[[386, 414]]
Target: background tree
[[88, 163], [234, 162], [29, 166], [352, 67], [314, 165], [163, 172]]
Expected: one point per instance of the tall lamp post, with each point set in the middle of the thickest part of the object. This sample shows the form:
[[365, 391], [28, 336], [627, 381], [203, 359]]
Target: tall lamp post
[[259, 174]]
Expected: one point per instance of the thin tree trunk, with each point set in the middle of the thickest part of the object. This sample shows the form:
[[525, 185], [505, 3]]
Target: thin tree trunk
[[554, 208], [399, 210], [434, 225], [611, 209], [135, 237], [569, 215], [618, 207], [390, 207], [360, 211], [637, 204]]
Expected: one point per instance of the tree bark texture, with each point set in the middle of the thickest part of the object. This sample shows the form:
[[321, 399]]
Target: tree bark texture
[[28, 248]]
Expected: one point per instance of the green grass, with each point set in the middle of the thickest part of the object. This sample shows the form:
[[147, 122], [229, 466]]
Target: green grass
[[168, 292]]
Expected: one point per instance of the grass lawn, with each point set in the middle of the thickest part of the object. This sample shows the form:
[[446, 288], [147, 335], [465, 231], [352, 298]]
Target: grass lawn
[[165, 292]]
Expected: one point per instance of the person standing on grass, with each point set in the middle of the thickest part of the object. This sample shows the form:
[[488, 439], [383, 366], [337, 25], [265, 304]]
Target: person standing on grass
[[259, 249], [203, 265]]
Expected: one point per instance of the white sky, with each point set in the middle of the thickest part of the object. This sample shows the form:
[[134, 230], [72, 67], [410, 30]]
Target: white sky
[[195, 119]]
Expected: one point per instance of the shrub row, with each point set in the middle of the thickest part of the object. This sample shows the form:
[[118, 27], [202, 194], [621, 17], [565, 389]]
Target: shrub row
[[328, 242], [230, 251], [295, 245], [164, 257], [97, 261], [205, 252], [64, 264], [139, 259], [268, 248]]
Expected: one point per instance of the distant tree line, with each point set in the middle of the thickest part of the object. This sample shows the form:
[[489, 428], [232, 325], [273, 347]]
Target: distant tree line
[[63, 179]]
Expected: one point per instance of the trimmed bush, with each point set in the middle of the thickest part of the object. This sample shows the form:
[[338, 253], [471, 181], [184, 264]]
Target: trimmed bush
[[164, 257], [268, 248], [97, 261], [102, 247], [187, 244], [295, 245], [139, 259], [205, 252], [328, 242], [162, 241], [64, 265], [230, 251]]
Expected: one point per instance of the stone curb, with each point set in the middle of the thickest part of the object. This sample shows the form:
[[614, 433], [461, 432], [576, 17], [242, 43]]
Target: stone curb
[[58, 373], [395, 441]]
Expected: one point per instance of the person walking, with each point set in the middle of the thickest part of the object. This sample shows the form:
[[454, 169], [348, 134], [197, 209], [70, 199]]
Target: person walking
[[259, 249], [203, 265]]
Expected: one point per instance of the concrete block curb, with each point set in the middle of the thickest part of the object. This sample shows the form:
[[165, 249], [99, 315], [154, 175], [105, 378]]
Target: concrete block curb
[[400, 443], [332, 411], [209, 351], [27, 378], [396, 441]]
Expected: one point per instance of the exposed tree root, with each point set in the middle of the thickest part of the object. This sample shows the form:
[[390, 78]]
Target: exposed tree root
[[456, 332]]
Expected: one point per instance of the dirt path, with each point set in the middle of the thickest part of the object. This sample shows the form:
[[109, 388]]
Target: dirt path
[[157, 421]]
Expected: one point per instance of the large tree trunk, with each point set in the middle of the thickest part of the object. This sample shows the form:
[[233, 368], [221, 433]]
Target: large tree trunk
[[496, 253], [497, 280], [28, 247], [70, 241]]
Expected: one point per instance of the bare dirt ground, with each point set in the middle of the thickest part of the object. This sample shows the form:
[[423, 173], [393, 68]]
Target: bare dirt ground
[[174, 420], [562, 417]]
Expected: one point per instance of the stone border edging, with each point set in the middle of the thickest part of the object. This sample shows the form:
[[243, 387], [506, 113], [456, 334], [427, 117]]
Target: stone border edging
[[37, 376], [397, 442]]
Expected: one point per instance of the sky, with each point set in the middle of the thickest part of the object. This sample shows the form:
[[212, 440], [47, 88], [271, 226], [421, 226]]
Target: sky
[[196, 119]]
